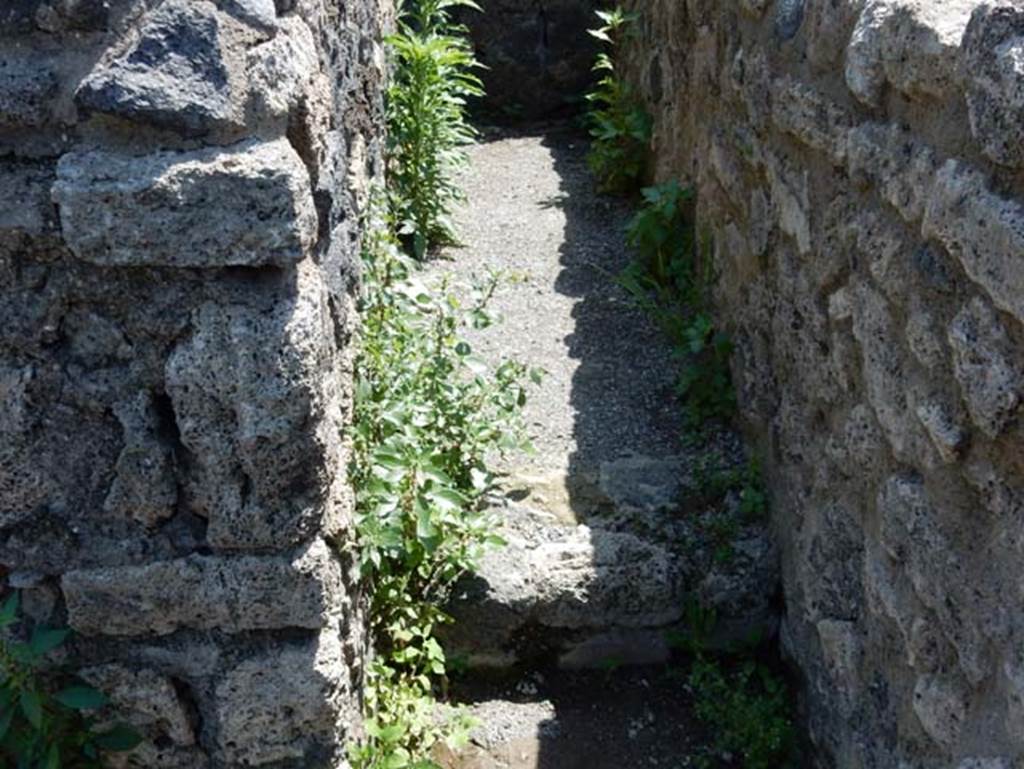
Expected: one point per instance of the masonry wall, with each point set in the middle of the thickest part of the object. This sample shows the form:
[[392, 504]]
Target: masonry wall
[[180, 184], [861, 167], [537, 56]]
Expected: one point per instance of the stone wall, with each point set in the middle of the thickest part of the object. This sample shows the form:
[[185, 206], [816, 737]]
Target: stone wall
[[537, 53], [861, 166], [180, 183]]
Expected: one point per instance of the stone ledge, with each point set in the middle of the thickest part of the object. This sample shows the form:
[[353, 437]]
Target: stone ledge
[[207, 593], [248, 205]]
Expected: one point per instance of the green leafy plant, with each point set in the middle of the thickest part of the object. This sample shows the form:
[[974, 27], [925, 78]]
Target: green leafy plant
[[619, 126], [746, 708], [715, 478], [699, 624], [428, 414], [744, 704], [432, 80], [671, 280], [41, 728], [663, 239], [705, 381]]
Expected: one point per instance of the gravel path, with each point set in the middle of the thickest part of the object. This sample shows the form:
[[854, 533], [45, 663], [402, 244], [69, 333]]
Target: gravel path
[[533, 213]]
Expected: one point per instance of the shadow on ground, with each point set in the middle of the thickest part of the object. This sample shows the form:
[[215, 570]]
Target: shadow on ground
[[622, 405]]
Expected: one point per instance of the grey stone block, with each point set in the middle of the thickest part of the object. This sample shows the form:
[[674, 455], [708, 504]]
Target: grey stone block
[[249, 204], [185, 72], [289, 704], [990, 379], [258, 406], [981, 229], [302, 590], [29, 84], [993, 52]]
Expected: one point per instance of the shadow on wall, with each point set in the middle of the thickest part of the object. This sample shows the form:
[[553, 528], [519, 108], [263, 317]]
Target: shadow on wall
[[537, 53]]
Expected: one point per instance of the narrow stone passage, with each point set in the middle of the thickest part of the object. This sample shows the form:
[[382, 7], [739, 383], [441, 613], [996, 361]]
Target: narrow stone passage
[[566, 630]]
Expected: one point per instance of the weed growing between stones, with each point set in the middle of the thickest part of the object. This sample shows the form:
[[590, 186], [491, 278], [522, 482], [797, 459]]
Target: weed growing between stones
[[41, 728], [428, 413], [426, 115], [671, 279], [619, 126], [744, 703], [746, 707]]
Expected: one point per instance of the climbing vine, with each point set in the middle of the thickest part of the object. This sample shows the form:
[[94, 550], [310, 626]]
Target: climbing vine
[[433, 77], [428, 414]]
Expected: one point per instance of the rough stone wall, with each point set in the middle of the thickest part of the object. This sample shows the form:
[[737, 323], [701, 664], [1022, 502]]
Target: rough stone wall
[[537, 53], [861, 166], [180, 182]]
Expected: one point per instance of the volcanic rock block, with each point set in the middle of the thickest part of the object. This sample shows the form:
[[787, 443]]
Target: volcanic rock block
[[28, 84], [245, 205], [185, 72], [981, 229], [994, 66], [300, 590], [292, 702], [258, 406], [984, 366]]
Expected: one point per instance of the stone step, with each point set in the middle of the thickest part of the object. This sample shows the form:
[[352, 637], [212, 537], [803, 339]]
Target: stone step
[[619, 719], [601, 567]]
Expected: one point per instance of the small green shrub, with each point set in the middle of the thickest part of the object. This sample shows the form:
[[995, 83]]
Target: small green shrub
[[746, 709], [41, 728], [619, 126], [705, 381], [426, 113], [663, 240], [715, 477], [428, 414], [671, 280]]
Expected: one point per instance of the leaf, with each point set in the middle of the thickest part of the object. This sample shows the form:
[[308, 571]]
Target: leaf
[[31, 707], [81, 698], [5, 722], [447, 499], [425, 528], [44, 640], [9, 610], [52, 758], [119, 739]]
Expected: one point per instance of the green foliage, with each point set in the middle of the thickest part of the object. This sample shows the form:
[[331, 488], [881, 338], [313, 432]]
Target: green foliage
[[716, 478], [619, 126], [41, 728], [664, 242], [705, 381], [428, 413], [671, 280], [699, 622], [746, 709], [426, 112], [744, 704]]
